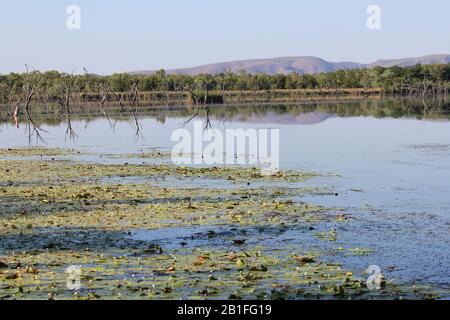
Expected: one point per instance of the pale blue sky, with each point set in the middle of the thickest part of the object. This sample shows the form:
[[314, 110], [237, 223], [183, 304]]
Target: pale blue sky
[[136, 34]]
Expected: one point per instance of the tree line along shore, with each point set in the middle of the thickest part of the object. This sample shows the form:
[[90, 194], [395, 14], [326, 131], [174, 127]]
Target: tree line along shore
[[21, 89]]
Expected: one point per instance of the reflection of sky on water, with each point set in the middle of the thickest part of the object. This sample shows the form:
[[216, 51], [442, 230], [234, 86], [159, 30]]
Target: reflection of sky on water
[[398, 163]]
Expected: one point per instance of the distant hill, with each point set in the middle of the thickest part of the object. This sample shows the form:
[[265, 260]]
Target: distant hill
[[301, 65], [434, 59]]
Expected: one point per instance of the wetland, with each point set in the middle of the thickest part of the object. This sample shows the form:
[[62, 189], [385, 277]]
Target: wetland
[[361, 183]]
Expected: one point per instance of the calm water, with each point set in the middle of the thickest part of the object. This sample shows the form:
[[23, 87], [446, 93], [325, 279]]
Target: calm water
[[392, 174]]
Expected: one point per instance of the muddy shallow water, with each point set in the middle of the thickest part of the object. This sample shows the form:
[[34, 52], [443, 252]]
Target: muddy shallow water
[[390, 176]]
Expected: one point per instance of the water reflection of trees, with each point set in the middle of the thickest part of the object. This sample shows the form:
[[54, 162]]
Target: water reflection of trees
[[65, 113], [65, 97], [390, 107]]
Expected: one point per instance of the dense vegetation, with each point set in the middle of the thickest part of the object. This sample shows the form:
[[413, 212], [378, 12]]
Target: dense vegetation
[[61, 87]]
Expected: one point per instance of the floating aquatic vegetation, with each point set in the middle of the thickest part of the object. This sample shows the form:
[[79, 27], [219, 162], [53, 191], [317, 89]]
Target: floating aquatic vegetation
[[32, 171], [36, 151], [232, 243], [152, 154]]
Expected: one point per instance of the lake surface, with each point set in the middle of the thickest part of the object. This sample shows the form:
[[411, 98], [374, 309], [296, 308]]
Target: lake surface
[[392, 173]]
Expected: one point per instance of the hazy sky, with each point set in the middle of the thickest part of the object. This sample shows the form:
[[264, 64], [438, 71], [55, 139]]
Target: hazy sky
[[137, 34]]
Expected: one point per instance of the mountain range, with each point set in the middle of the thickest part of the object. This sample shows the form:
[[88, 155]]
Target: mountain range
[[301, 65]]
